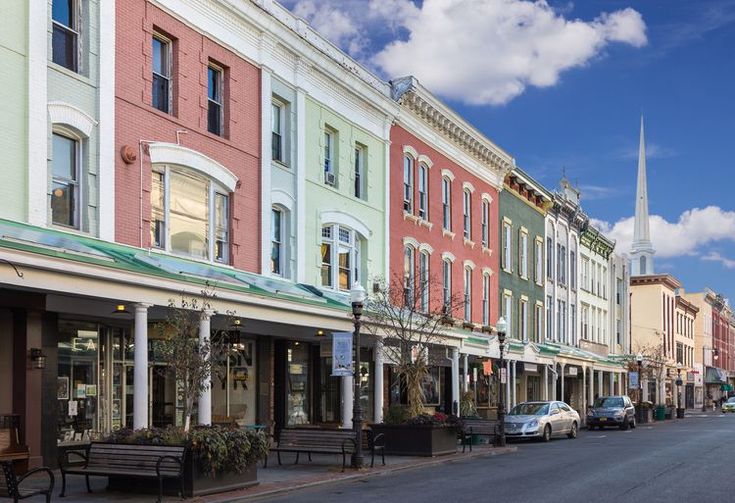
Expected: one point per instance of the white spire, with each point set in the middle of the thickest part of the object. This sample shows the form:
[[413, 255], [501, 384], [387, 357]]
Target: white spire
[[642, 249]]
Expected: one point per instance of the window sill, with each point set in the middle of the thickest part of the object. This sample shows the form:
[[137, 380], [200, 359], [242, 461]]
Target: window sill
[[469, 242], [70, 73], [448, 233], [425, 223], [410, 216], [487, 250], [280, 164]]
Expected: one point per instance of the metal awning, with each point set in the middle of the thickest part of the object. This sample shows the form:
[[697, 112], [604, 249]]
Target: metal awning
[[715, 375]]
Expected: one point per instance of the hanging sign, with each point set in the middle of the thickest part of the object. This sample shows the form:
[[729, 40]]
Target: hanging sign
[[632, 380], [487, 368], [342, 354], [503, 375]]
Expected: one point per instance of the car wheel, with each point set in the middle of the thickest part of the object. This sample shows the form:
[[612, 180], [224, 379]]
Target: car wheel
[[625, 425], [573, 432], [546, 436], [632, 423]]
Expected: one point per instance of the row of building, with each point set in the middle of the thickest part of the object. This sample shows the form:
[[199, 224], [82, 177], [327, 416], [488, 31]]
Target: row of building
[[159, 147]]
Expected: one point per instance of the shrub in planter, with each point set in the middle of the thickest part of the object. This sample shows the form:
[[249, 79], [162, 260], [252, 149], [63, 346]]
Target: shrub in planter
[[421, 435]]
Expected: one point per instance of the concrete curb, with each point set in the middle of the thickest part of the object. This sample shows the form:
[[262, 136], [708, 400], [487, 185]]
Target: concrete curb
[[497, 451]]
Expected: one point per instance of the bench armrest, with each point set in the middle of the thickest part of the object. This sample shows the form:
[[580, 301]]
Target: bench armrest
[[162, 458], [348, 441], [379, 440], [37, 470], [64, 458]]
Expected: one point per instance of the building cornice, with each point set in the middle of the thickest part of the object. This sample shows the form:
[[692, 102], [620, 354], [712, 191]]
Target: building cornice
[[656, 279], [686, 306], [426, 116], [596, 241]]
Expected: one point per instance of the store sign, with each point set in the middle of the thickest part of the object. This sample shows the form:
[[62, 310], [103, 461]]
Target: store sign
[[530, 367], [632, 380], [572, 371], [342, 354]]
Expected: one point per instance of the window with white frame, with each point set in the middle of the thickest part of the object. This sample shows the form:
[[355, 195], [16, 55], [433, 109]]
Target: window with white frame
[[467, 214], [66, 171], [65, 36], [585, 273], [277, 241], [446, 203], [508, 313], [523, 320], [161, 78], [507, 264], [278, 116], [573, 323], [215, 107], [360, 158], [523, 255], [447, 284], [468, 293], [549, 317], [485, 224], [340, 251], [192, 217], [408, 184], [538, 272], [424, 280], [585, 321], [329, 157], [409, 276], [550, 259], [538, 320], [485, 299], [423, 191], [604, 283], [573, 270]]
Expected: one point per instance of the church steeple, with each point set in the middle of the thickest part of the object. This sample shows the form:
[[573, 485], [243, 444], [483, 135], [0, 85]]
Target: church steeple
[[642, 250]]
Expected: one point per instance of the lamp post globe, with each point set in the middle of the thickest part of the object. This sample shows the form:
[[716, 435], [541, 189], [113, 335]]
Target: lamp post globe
[[357, 298], [501, 326]]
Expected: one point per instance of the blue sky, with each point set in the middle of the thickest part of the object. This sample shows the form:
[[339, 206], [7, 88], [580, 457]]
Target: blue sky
[[562, 86]]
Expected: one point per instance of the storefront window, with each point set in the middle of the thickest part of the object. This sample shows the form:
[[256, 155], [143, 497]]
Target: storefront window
[[77, 385], [297, 386], [233, 390]]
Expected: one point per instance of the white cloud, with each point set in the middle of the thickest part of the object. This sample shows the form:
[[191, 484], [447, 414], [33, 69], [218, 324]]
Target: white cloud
[[489, 51], [653, 151], [695, 228], [476, 51], [716, 257]]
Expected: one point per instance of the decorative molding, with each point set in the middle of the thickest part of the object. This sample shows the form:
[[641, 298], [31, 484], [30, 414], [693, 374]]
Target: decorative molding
[[448, 256], [487, 197], [488, 271], [409, 150], [69, 115], [171, 153], [407, 240], [487, 250], [425, 223], [447, 174], [448, 233], [426, 247], [280, 197], [469, 263], [424, 159], [469, 242], [342, 218], [468, 186]]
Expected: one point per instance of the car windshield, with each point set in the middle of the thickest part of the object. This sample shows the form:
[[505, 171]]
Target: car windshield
[[608, 402], [731, 400], [530, 409]]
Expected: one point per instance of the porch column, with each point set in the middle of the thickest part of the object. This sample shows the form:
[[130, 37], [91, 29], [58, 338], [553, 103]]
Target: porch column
[[591, 394], [465, 374], [514, 386], [562, 365], [205, 399], [140, 368], [600, 377], [378, 383], [507, 386], [553, 383], [612, 383], [546, 382], [454, 406], [583, 412], [347, 397]]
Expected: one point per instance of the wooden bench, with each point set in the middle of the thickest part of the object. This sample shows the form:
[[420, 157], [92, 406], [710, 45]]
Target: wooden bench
[[481, 427], [129, 460], [11, 486], [322, 441]]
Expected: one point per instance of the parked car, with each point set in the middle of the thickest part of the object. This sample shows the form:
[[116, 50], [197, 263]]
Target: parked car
[[729, 406], [541, 420], [611, 411]]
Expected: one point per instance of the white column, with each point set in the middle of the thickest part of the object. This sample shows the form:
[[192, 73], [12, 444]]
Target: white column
[[205, 399], [514, 384], [553, 383], [266, 97], [454, 406], [378, 383], [107, 150], [301, 186], [37, 113], [507, 385], [591, 394], [583, 412], [465, 380], [348, 392], [140, 368], [546, 382], [612, 383], [562, 382]]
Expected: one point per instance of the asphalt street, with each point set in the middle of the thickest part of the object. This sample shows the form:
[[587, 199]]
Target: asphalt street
[[689, 460]]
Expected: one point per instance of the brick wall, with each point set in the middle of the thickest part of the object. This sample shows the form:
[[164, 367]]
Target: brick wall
[[137, 120]]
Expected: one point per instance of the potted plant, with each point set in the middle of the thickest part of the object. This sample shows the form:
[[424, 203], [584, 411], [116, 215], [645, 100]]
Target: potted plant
[[411, 334], [218, 458]]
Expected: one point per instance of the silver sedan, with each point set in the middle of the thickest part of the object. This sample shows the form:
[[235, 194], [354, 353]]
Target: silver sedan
[[541, 420]]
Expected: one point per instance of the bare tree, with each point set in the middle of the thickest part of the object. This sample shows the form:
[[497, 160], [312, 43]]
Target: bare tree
[[192, 361], [654, 363], [412, 317]]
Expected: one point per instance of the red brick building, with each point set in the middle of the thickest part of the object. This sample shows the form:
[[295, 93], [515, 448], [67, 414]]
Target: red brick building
[[188, 123]]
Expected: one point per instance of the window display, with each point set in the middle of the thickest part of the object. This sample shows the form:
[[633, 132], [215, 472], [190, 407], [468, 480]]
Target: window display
[[297, 385]]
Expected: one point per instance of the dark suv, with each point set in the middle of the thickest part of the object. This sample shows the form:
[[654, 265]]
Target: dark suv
[[611, 411]]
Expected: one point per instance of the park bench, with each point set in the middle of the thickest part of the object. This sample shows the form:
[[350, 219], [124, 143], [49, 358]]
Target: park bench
[[327, 441], [480, 427], [127, 460], [10, 484]]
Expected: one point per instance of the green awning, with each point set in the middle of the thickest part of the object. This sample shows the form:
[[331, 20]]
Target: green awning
[[726, 387]]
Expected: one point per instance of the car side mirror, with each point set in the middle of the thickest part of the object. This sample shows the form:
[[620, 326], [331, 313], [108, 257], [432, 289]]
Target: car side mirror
[[555, 412]]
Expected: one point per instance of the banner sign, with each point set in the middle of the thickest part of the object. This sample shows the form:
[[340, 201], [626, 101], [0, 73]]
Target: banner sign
[[342, 354], [632, 380], [487, 367], [503, 375]]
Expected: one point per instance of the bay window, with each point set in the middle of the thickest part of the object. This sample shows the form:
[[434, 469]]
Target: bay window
[[340, 254], [189, 214]]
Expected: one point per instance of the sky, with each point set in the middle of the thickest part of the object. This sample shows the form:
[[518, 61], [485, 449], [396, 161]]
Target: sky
[[561, 86]]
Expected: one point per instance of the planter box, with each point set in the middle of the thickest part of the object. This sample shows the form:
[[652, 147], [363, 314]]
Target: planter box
[[644, 416], [410, 440], [195, 483]]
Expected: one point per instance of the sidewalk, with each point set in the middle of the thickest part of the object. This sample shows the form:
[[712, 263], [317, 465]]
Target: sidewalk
[[275, 479]]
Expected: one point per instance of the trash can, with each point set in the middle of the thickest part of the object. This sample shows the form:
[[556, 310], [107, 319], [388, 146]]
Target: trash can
[[660, 413]]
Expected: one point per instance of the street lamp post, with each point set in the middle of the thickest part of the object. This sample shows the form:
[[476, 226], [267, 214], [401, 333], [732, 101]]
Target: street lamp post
[[357, 297], [501, 327], [639, 361], [679, 408], [715, 355]]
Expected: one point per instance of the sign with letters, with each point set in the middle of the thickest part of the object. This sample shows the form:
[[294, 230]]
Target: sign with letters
[[342, 354], [503, 375]]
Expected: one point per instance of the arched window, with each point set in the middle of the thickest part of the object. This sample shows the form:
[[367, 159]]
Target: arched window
[[340, 252], [409, 276], [423, 191], [408, 184], [424, 284], [447, 284], [66, 175], [190, 214], [485, 223], [468, 293], [278, 241], [467, 214], [485, 299], [446, 203]]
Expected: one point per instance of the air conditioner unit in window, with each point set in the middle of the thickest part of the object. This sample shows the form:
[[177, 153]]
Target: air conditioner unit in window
[[329, 178]]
